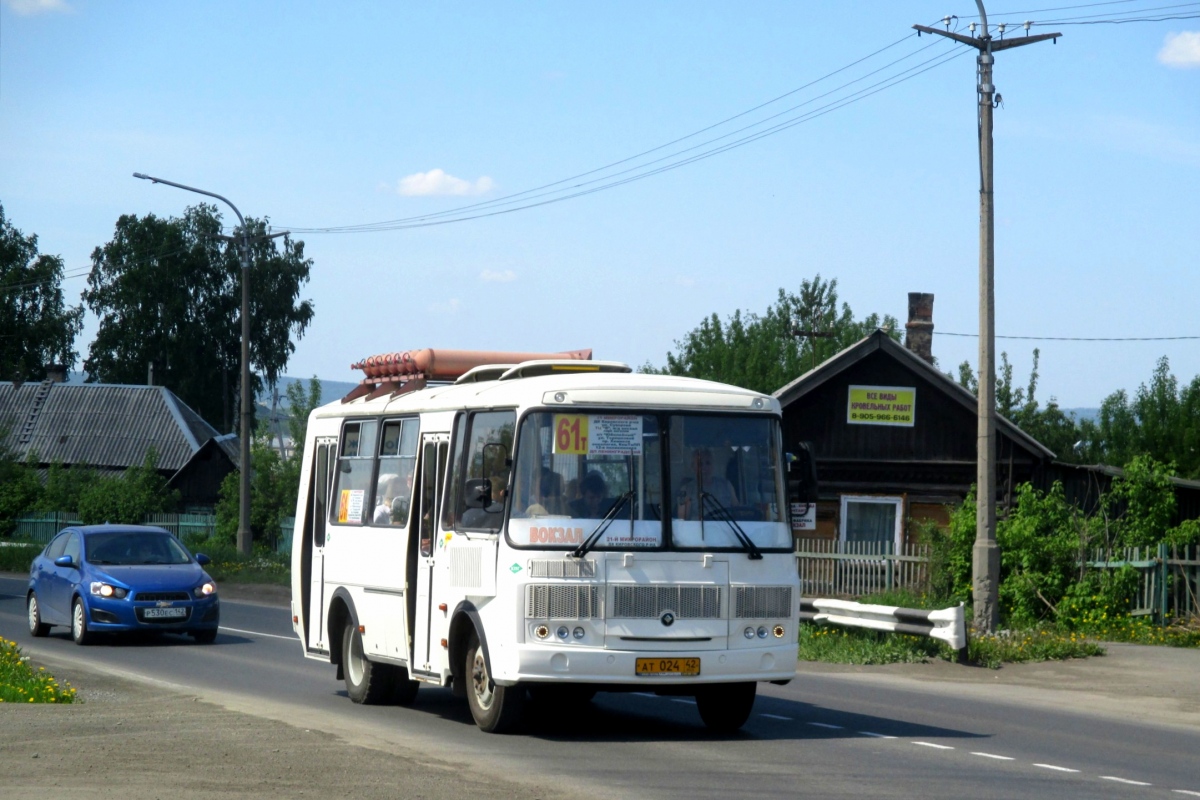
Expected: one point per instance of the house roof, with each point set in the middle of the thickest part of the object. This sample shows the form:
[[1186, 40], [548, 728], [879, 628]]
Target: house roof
[[880, 341], [102, 425]]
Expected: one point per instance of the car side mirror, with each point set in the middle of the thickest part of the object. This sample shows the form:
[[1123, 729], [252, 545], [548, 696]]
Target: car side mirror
[[478, 493], [64, 561], [203, 560], [802, 474]]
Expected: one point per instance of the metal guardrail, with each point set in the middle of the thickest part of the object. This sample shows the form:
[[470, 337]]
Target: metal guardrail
[[947, 624]]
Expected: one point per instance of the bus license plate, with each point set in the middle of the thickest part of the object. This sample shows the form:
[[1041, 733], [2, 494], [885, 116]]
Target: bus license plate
[[668, 667]]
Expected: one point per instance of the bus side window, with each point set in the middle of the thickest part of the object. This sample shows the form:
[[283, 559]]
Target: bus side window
[[355, 471]]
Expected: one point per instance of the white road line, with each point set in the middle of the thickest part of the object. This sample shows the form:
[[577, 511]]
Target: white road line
[[1124, 780], [826, 725], [776, 716], [876, 735], [936, 746], [256, 633], [1185, 791], [1058, 769], [682, 700], [993, 755], [643, 694]]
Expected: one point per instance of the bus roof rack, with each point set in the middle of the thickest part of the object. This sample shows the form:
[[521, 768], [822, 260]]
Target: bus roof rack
[[532, 369], [486, 372]]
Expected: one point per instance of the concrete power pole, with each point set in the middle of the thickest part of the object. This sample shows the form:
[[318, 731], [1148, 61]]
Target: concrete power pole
[[985, 573]]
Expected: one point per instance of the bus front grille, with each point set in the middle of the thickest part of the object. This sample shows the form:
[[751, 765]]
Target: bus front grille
[[762, 602], [556, 601], [651, 602], [562, 568]]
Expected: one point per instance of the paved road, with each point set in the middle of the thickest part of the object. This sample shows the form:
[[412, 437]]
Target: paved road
[[847, 732]]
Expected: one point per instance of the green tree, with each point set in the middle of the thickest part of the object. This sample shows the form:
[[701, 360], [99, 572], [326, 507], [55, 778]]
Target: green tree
[[168, 294], [65, 487], [129, 497], [36, 328], [1162, 421], [764, 352], [1053, 427]]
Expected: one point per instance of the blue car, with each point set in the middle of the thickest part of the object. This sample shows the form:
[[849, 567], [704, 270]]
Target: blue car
[[117, 578]]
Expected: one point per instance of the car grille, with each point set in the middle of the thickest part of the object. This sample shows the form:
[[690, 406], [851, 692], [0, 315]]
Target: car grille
[[650, 602], [154, 597]]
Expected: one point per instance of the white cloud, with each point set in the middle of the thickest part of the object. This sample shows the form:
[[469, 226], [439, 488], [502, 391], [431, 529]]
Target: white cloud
[[437, 182], [28, 8], [1181, 50], [448, 307], [492, 276]]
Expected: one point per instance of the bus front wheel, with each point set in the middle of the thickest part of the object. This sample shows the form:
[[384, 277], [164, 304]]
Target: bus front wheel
[[496, 709], [366, 682], [726, 707]]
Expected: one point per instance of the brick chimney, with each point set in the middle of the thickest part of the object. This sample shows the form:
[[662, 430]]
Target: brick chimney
[[919, 328], [56, 373]]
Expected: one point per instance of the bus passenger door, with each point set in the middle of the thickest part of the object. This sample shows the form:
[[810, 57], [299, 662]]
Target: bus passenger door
[[431, 480], [315, 635]]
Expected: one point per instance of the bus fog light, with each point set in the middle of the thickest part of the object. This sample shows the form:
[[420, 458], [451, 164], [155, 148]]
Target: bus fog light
[[778, 631], [762, 631], [749, 632], [541, 631], [563, 632], [578, 633]]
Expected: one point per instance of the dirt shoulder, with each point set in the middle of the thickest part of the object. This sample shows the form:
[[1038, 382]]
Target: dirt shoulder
[[148, 743]]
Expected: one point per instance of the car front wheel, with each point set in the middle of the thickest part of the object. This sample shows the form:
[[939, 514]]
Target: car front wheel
[[79, 626], [36, 626]]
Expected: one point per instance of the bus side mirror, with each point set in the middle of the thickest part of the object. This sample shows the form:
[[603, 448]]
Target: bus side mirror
[[802, 474], [478, 493]]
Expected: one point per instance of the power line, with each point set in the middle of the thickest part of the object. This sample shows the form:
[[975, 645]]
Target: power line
[[1082, 338], [457, 215]]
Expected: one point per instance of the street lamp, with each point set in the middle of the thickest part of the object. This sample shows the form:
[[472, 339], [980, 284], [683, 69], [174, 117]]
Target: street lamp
[[243, 533]]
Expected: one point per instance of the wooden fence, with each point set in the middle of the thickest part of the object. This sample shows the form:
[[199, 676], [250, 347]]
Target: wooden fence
[[833, 568], [1169, 584]]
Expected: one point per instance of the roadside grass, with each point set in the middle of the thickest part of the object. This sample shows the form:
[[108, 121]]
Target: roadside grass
[[17, 556], [230, 566], [1142, 630], [19, 683]]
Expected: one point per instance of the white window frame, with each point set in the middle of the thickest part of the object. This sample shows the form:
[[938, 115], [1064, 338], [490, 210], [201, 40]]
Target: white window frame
[[896, 500]]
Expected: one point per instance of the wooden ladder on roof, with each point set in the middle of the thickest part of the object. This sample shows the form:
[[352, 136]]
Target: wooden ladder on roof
[[39, 400]]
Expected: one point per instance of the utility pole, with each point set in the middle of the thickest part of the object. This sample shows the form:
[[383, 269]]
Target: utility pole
[[985, 571]]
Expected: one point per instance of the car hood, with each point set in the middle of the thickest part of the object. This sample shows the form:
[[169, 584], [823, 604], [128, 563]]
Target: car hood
[[154, 577]]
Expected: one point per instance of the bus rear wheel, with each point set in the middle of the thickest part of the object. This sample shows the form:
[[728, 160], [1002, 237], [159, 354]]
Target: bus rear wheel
[[366, 682], [726, 707], [496, 709]]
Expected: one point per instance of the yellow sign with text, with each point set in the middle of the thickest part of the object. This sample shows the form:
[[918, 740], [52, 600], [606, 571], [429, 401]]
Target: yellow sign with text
[[571, 434], [882, 405]]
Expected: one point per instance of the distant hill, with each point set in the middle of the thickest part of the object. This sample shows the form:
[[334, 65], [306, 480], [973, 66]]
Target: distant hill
[[330, 390], [1082, 413]]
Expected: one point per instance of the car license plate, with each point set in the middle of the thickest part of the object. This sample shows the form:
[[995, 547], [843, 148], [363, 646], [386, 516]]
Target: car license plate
[[668, 667], [164, 613]]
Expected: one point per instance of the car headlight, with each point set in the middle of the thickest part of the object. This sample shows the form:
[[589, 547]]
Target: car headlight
[[206, 589], [108, 590]]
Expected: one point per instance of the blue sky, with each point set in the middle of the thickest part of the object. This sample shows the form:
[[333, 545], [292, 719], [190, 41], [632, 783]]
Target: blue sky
[[321, 114]]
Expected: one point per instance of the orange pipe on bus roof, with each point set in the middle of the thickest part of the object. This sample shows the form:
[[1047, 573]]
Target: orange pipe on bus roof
[[445, 365]]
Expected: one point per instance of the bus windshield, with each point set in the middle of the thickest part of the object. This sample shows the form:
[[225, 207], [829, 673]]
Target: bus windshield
[[577, 474]]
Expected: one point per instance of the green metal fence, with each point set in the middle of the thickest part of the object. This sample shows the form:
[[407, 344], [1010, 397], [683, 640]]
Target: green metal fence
[[43, 527]]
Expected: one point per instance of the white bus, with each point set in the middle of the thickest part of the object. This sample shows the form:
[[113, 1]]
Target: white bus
[[543, 529]]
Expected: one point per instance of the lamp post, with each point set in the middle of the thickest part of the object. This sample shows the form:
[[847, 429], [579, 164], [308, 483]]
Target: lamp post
[[243, 533]]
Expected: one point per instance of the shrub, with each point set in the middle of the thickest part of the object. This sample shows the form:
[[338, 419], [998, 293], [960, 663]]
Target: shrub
[[20, 683]]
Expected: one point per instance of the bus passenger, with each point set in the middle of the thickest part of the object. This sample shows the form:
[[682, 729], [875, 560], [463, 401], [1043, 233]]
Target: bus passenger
[[593, 502], [688, 502]]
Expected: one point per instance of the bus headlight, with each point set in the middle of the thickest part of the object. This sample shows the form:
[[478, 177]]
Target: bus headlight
[[563, 632], [578, 633], [778, 631], [749, 633], [762, 631], [541, 631]]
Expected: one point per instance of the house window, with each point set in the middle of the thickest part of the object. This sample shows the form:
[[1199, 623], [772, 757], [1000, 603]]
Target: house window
[[867, 518]]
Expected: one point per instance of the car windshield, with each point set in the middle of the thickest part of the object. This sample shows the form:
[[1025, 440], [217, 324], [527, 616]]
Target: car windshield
[[123, 548], [598, 479]]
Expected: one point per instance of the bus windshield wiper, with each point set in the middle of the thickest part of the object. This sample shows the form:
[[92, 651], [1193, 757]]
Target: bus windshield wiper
[[720, 512], [602, 526]]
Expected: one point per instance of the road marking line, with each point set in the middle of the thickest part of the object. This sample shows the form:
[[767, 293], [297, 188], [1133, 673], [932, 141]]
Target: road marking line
[[1124, 780], [644, 694], [1059, 769], [826, 725], [876, 735], [993, 755], [682, 700], [936, 746], [256, 633], [776, 716], [1185, 791]]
